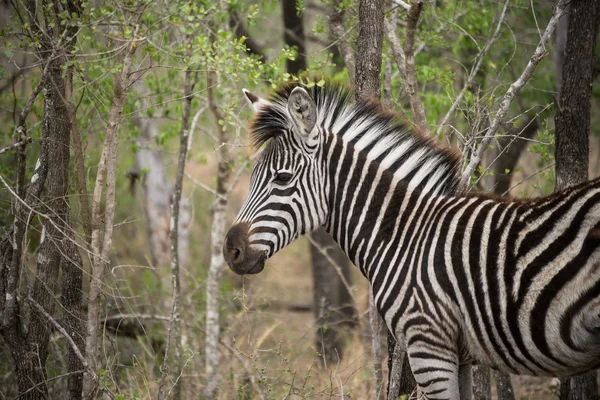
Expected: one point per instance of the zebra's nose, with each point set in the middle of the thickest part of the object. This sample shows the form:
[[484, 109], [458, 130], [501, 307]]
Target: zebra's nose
[[234, 248]]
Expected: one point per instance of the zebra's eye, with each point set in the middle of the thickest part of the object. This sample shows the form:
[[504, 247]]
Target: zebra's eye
[[283, 177]]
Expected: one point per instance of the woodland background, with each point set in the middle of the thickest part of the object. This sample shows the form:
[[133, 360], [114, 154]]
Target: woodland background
[[124, 158]]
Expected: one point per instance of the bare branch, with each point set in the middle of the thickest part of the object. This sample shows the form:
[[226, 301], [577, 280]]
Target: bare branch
[[515, 87], [474, 71], [402, 4], [23, 142]]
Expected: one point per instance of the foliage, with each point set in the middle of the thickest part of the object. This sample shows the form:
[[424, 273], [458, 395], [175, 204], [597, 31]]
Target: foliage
[[449, 38]]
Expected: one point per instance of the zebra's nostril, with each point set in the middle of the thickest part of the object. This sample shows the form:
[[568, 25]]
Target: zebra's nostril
[[237, 256]]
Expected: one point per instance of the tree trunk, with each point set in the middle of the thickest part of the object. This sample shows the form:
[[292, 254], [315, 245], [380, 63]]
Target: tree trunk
[[216, 249], [370, 42], [482, 388], [572, 126], [368, 85], [32, 351], [150, 168], [74, 316], [573, 114]]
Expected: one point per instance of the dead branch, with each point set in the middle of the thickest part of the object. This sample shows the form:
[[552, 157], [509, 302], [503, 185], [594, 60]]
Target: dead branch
[[474, 71], [515, 87], [13, 146]]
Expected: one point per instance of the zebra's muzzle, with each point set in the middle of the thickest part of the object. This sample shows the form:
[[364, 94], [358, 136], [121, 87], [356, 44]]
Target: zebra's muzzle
[[239, 256]]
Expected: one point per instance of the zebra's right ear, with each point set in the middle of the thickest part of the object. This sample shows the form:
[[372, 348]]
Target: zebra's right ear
[[254, 101], [303, 110]]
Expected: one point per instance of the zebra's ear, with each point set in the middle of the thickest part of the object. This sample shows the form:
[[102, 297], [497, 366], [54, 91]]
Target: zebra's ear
[[254, 101], [303, 110]]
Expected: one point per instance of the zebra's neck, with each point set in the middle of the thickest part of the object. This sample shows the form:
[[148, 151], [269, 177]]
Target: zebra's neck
[[365, 195]]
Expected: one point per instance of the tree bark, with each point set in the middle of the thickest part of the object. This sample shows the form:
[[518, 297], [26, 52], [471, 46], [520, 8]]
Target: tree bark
[[482, 388], [370, 42], [573, 114], [29, 344], [74, 316], [572, 124]]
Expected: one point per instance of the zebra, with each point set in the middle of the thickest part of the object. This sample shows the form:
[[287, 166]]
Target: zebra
[[459, 279]]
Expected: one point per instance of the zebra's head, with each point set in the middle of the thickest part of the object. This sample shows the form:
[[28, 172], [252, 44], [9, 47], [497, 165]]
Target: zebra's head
[[286, 197]]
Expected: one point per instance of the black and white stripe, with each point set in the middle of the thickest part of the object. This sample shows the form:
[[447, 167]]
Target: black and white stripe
[[458, 279]]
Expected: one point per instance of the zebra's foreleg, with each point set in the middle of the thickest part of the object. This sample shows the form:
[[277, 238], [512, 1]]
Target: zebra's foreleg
[[436, 370]]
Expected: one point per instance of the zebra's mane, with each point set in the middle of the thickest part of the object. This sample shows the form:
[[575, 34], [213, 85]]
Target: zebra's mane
[[382, 135]]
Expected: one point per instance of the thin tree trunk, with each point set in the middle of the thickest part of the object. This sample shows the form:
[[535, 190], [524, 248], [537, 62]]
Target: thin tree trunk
[[102, 241], [572, 126], [368, 85], [504, 387], [482, 388], [216, 250], [572, 117], [27, 367], [74, 316]]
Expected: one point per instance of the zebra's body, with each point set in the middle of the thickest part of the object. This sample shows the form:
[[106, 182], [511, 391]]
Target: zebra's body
[[458, 279]]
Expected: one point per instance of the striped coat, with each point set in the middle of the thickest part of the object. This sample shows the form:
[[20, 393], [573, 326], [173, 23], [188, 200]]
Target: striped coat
[[458, 279]]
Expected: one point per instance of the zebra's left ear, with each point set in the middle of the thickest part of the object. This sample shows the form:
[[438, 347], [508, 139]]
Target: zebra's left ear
[[254, 101], [303, 110]]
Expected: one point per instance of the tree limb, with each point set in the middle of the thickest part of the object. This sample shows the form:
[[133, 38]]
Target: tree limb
[[515, 87]]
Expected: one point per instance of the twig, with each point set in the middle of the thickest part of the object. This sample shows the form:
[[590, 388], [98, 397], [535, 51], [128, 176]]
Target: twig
[[335, 265], [515, 87], [250, 375], [23, 142]]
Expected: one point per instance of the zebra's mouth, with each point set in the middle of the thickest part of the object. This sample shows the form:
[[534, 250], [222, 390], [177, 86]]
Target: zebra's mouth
[[258, 267], [240, 257]]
